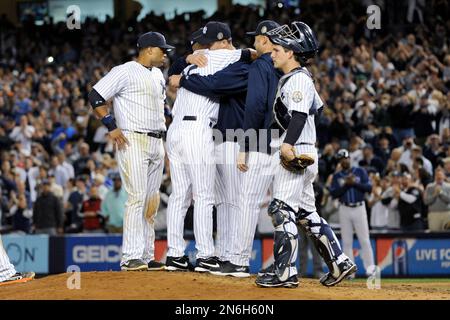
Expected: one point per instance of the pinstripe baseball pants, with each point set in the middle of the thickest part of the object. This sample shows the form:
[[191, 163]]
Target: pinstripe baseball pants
[[255, 184], [227, 190], [6, 268], [190, 148], [141, 166]]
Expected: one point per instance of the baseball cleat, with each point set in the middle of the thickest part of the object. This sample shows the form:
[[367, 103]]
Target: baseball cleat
[[134, 265], [208, 265], [270, 270], [229, 269], [272, 281], [347, 268], [155, 266], [178, 264], [19, 278]]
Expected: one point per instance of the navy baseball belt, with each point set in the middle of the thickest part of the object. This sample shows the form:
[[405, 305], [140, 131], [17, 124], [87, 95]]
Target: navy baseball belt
[[194, 118], [154, 134], [353, 205]]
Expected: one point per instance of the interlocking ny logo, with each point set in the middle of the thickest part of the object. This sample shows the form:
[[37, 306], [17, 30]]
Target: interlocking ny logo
[[73, 17], [374, 18]]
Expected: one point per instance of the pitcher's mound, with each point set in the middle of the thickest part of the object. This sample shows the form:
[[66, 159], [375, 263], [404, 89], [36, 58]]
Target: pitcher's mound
[[191, 286]]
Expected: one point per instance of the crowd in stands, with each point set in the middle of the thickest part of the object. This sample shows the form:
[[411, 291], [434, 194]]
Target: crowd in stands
[[386, 92]]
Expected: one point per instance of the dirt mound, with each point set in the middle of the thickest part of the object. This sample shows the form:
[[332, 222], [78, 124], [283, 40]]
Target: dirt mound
[[192, 286]]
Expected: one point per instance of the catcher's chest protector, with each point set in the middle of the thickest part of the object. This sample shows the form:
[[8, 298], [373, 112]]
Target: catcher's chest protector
[[281, 115]]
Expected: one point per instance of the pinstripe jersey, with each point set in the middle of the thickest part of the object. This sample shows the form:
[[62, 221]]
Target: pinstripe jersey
[[138, 96], [298, 93], [188, 103]]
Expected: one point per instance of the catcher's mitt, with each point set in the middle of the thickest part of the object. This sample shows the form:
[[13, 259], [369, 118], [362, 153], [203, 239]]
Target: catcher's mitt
[[298, 164]]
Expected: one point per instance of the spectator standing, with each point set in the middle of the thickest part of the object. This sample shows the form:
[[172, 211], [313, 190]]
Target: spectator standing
[[433, 150], [387, 199], [92, 220], [21, 220], [23, 134], [80, 165], [47, 212], [422, 119], [410, 204], [437, 198], [371, 162], [58, 171], [113, 207], [74, 205], [378, 212]]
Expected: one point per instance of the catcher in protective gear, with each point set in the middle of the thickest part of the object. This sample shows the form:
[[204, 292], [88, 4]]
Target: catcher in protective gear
[[298, 163]]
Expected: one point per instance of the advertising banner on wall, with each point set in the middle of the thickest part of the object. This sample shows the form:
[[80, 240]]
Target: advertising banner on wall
[[94, 252], [28, 252], [410, 256]]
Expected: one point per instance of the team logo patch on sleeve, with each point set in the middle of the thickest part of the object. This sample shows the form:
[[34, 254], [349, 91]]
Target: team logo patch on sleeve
[[297, 96]]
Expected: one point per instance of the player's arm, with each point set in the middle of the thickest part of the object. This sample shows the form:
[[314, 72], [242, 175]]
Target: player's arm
[[301, 96], [229, 81], [255, 109], [111, 84], [256, 100]]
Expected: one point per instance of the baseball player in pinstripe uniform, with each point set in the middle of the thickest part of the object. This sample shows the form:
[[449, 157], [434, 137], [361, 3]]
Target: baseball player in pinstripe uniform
[[190, 147], [9, 275], [230, 85], [137, 89], [296, 105]]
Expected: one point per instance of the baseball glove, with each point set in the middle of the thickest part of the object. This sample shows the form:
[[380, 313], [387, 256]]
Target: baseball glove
[[298, 164]]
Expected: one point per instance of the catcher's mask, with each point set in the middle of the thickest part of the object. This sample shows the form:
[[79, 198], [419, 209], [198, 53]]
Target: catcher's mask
[[298, 37]]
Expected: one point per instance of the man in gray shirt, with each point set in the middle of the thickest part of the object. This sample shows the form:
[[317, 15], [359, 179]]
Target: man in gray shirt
[[437, 198]]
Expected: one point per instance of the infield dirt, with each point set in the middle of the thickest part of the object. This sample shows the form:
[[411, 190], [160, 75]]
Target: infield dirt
[[192, 286]]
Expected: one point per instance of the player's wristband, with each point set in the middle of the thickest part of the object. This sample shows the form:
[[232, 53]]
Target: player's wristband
[[109, 122]]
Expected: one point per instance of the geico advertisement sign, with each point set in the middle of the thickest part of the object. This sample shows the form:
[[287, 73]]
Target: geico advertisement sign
[[96, 253]]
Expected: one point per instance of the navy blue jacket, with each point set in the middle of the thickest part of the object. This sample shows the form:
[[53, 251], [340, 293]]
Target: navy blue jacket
[[230, 86], [262, 88], [178, 66], [354, 193]]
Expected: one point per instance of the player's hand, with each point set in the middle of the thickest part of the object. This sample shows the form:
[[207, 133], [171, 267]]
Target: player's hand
[[350, 180], [199, 60], [287, 151], [119, 139], [242, 161], [174, 81], [437, 190]]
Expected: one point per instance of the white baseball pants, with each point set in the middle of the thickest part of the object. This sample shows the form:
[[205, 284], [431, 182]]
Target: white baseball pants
[[141, 167], [190, 148]]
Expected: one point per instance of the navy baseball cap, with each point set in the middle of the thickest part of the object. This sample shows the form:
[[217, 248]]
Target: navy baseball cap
[[195, 35], [263, 27], [213, 31], [153, 39]]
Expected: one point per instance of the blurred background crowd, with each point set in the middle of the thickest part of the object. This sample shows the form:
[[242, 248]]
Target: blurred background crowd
[[386, 92]]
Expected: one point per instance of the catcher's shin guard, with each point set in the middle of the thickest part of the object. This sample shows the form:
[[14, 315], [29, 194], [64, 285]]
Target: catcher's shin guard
[[285, 239], [323, 238]]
